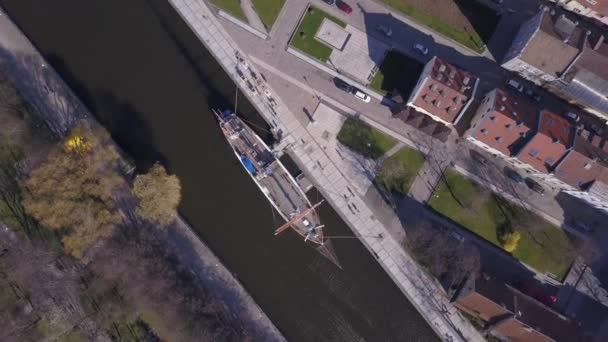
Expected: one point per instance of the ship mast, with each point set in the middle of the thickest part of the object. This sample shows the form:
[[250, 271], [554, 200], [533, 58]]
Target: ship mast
[[297, 218]]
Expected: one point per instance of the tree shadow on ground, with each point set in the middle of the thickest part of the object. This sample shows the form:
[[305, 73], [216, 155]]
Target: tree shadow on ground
[[35, 80], [483, 18]]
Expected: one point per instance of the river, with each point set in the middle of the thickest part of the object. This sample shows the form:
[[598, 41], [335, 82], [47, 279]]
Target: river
[[147, 78]]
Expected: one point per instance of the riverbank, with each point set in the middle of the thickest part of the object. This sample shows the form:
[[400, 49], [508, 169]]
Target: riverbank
[[316, 164], [52, 98]]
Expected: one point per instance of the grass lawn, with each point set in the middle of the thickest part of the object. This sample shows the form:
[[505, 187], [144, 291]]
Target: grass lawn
[[268, 10], [542, 246], [232, 7], [304, 37], [397, 173], [364, 139], [476, 22], [394, 70]]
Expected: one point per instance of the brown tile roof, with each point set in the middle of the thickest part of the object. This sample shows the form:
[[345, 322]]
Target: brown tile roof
[[549, 144], [515, 330], [543, 319], [510, 122], [586, 162], [600, 6], [528, 317], [445, 91], [592, 61], [547, 51]]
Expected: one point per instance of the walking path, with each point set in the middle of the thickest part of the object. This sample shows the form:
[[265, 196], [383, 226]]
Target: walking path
[[252, 16], [421, 290], [44, 88]]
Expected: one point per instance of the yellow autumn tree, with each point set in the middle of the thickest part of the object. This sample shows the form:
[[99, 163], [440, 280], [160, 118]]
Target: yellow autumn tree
[[510, 241], [159, 195], [75, 188]]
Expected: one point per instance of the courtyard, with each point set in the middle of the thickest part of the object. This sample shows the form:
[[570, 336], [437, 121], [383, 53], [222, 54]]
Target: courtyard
[[542, 246]]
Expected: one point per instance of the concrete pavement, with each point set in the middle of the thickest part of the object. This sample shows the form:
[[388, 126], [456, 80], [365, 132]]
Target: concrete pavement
[[272, 56], [252, 16], [316, 164]]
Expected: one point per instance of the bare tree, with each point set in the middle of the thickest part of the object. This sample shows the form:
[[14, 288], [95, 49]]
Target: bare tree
[[440, 253]]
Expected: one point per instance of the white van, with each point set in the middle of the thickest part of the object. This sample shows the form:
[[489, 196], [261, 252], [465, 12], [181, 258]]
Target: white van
[[515, 85]]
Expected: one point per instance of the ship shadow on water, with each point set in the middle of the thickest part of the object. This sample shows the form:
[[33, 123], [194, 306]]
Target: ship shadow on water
[[166, 82]]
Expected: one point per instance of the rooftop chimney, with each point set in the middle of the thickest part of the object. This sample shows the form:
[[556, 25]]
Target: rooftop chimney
[[452, 73], [442, 68], [466, 80]]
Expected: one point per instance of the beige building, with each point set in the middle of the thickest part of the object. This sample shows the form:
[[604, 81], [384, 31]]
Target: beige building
[[596, 9]]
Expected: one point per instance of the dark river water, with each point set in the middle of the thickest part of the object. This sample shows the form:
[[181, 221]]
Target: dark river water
[[147, 78]]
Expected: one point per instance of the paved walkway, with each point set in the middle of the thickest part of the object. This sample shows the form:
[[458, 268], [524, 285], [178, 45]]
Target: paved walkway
[[310, 156], [252, 16]]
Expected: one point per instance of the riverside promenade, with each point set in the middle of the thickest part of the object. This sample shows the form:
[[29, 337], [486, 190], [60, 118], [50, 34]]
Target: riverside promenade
[[44, 89], [422, 291]]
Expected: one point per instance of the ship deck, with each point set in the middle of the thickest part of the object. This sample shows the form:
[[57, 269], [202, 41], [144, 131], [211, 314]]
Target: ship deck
[[274, 180], [287, 196]]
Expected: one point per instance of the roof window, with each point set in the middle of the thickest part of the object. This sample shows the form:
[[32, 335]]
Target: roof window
[[533, 152]]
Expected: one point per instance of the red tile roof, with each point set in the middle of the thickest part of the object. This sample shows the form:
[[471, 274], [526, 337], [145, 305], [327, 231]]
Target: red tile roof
[[445, 91], [530, 320], [586, 162], [600, 6], [510, 121], [549, 144]]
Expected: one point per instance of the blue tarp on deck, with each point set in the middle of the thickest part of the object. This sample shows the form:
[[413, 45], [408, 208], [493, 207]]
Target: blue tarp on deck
[[248, 165]]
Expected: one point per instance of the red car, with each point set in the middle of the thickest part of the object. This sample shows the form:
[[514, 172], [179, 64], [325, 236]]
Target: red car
[[344, 7]]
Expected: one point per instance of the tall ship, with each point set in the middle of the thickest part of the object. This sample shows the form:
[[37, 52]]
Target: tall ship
[[275, 182]]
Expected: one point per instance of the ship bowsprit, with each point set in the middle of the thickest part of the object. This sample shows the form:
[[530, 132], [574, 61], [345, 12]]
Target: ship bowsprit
[[327, 250]]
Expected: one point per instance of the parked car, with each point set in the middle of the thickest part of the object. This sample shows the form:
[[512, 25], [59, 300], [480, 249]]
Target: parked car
[[514, 175], [582, 226], [534, 186], [361, 95], [342, 85], [420, 48], [537, 292], [385, 29], [534, 95], [575, 117], [515, 85], [597, 129], [330, 2], [457, 236], [344, 7], [476, 156]]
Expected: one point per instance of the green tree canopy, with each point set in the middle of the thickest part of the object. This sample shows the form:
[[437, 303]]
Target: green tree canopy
[[159, 195]]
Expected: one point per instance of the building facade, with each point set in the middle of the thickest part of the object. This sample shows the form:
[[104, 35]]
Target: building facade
[[503, 123], [596, 9], [565, 57], [510, 315], [443, 91]]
